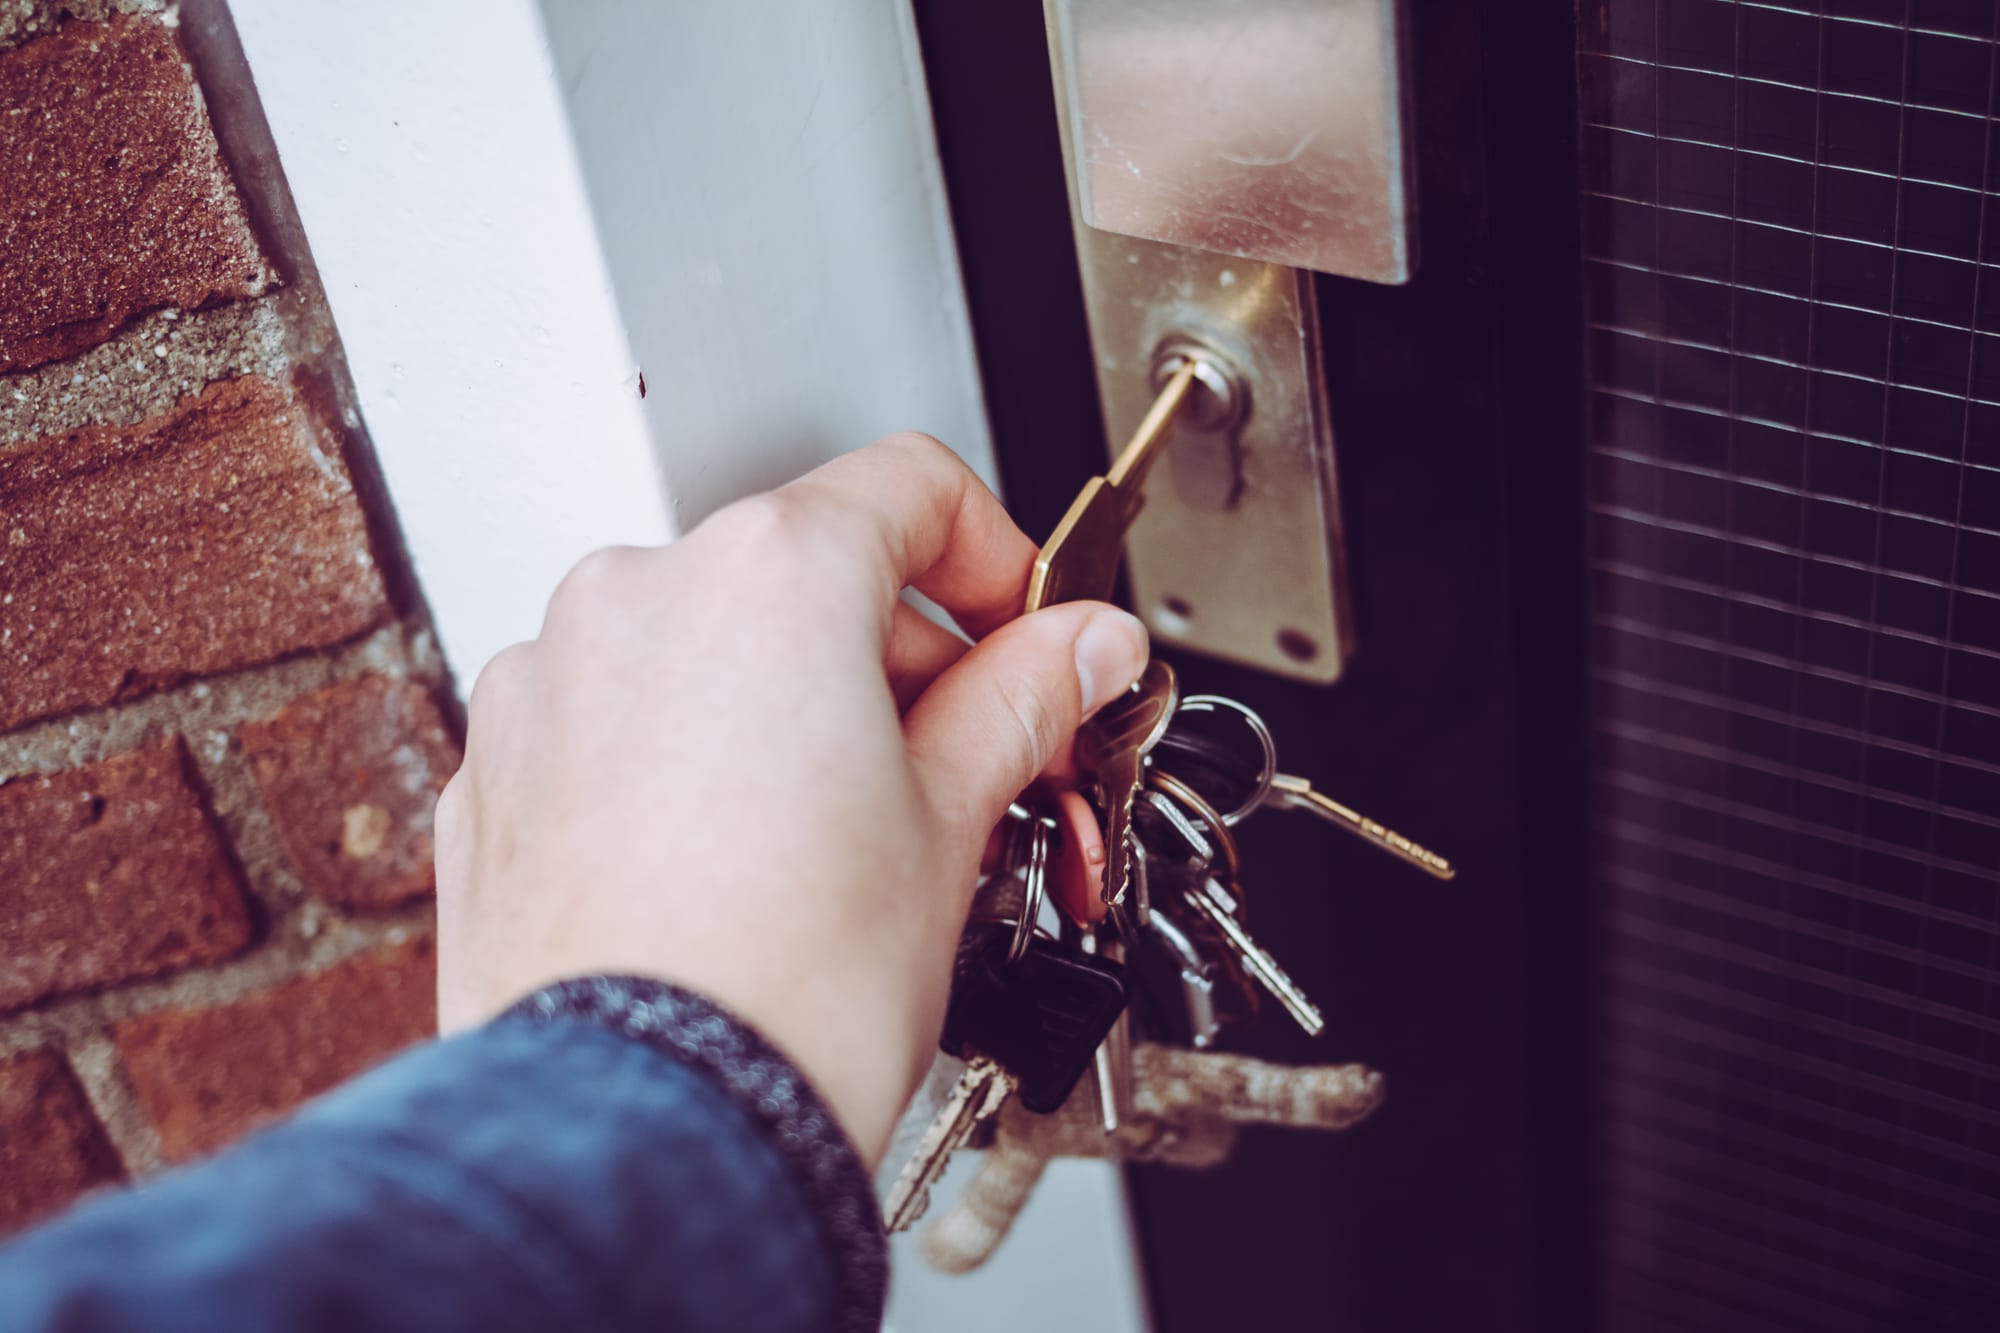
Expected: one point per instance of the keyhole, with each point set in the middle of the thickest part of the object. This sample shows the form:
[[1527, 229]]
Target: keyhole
[[1205, 453]]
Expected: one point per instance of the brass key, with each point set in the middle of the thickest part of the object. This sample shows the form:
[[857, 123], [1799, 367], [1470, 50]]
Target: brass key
[[1112, 747], [1079, 562], [1295, 793]]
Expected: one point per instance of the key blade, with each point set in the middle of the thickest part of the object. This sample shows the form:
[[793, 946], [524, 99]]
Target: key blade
[[1113, 746], [977, 1096], [1198, 994], [1197, 985], [1128, 470], [1111, 1071], [1223, 854], [1120, 778], [1295, 793], [1111, 1067], [1079, 562], [1260, 964]]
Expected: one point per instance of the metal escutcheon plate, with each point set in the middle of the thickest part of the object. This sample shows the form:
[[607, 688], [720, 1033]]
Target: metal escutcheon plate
[[1270, 130], [1260, 580]]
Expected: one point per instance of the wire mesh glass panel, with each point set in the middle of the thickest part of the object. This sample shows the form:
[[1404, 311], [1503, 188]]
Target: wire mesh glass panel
[[1794, 313]]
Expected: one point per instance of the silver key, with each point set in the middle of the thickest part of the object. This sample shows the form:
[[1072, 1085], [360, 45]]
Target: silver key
[[1111, 1067], [1213, 902], [1197, 981], [978, 1095], [1201, 851], [1182, 827], [1112, 747]]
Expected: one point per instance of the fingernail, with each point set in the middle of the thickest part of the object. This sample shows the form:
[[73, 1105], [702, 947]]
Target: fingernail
[[1110, 654]]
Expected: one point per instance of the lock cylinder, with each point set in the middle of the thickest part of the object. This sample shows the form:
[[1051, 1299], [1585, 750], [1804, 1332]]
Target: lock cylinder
[[1205, 456]]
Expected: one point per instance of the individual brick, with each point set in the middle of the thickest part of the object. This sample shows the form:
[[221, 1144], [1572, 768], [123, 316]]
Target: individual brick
[[217, 535], [125, 379], [51, 1146], [206, 1076], [351, 776], [114, 200], [110, 872]]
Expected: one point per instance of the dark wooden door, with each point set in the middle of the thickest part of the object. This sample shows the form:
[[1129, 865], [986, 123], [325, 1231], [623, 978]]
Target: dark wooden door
[[1456, 403]]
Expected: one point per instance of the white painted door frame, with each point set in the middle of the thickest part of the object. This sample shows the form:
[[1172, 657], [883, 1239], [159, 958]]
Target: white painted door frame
[[519, 210]]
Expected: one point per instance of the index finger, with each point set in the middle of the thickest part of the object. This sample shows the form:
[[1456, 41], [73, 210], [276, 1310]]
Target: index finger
[[925, 520]]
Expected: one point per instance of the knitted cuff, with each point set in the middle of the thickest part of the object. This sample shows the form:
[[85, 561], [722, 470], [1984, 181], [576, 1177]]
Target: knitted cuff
[[765, 1087]]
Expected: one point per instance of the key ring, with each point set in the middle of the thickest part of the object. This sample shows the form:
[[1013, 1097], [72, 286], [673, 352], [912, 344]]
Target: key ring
[[1267, 772], [1034, 881], [1175, 790], [1013, 894]]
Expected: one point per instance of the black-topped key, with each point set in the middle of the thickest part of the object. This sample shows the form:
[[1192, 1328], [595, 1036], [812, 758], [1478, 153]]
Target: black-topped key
[[1026, 1029], [1042, 1017]]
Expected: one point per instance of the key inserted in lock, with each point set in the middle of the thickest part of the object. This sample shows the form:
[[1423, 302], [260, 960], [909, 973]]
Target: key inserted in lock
[[1239, 551], [1080, 559], [1205, 453]]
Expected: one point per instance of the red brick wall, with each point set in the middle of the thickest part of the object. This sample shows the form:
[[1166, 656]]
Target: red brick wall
[[220, 735]]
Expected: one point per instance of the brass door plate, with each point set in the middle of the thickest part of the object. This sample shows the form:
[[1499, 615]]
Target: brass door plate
[[1254, 571]]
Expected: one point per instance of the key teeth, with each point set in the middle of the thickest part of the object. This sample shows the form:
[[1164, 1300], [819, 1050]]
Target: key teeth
[[1126, 851], [901, 1211], [1125, 859]]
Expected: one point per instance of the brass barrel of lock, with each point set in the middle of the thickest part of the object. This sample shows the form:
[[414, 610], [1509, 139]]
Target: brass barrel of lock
[[1207, 456]]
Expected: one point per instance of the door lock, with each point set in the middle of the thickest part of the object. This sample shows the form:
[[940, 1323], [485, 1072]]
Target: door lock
[[1202, 189], [1206, 452]]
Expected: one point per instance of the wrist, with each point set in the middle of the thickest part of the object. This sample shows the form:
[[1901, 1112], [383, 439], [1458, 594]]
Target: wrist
[[770, 1091]]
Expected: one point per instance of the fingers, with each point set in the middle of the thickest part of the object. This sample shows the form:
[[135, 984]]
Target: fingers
[[918, 652], [992, 721], [927, 521]]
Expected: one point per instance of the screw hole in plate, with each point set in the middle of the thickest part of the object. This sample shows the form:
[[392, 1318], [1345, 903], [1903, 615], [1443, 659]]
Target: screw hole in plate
[[1174, 613], [1298, 646]]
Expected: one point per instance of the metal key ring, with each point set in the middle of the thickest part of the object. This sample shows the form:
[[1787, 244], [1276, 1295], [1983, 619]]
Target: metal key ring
[[1268, 772], [1034, 885], [1218, 828]]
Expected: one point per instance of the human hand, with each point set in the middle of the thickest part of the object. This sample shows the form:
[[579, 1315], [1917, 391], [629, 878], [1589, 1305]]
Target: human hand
[[742, 764]]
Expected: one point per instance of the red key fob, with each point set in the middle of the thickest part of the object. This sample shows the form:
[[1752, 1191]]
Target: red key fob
[[1076, 871]]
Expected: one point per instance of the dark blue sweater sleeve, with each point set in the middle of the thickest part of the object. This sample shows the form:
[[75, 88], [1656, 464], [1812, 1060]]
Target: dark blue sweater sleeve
[[611, 1156]]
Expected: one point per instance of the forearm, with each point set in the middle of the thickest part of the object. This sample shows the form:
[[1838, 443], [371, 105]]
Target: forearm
[[615, 1160]]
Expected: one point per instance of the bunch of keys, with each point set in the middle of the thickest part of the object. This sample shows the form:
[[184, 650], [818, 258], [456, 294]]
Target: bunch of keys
[[1033, 1010], [1198, 788], [1079, 562]]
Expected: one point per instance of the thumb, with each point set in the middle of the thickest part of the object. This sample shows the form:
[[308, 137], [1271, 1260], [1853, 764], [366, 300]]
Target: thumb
[[995, 718]]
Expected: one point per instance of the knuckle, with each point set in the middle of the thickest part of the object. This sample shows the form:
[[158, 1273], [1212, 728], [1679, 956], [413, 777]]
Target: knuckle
[[497, 681], [448, 815], [763, 525], [589, 580], [929, 455], [795, 541], [921, 444]]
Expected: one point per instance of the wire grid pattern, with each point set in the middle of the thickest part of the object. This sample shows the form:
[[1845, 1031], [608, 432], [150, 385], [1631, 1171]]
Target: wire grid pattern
[[1793, 295]]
